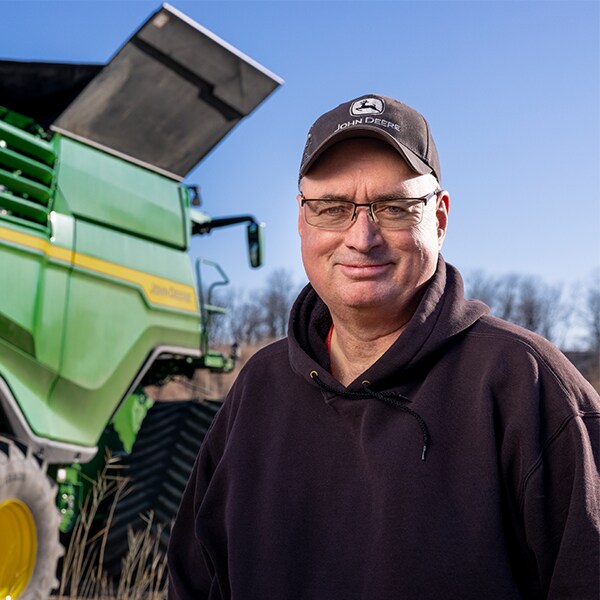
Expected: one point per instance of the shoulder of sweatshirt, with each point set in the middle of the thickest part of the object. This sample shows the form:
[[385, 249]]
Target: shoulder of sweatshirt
[[270, 359], [524, 353], [269, 351]]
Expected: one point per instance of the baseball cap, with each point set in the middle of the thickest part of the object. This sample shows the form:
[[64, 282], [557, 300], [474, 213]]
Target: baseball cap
[[376, 116]]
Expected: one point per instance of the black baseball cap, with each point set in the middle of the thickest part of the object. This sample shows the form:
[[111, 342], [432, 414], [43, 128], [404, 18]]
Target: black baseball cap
[[380, 117]]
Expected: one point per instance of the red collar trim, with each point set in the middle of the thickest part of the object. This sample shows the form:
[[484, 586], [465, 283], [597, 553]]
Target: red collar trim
[[328, 340]]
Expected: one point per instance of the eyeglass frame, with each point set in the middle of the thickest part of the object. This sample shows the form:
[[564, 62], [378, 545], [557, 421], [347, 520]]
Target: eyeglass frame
[[356, 205]]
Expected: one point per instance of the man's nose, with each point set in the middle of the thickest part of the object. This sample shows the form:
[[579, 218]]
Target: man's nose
[[363, 234]]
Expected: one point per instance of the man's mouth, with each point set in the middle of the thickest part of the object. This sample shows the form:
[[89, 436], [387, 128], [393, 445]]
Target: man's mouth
[[364, 270]]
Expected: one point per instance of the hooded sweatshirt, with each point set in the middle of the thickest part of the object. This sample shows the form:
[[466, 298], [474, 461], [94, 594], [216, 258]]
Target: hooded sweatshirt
[[466, 467]]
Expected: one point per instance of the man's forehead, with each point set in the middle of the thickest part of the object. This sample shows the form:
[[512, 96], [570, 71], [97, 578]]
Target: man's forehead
[[352, 172], [361, 149], [351, 161]]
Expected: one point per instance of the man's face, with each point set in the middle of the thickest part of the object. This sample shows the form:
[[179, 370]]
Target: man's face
[[367, 268]]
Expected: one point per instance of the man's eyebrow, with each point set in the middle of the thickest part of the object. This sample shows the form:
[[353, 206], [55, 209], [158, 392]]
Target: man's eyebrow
[[333, 197], [399, 195], [386, 196]]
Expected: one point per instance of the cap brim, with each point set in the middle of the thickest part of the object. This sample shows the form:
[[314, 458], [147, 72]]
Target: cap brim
[[364, 131]]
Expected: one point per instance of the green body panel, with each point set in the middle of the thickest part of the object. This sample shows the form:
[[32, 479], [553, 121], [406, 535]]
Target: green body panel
[[33, 301], [20, 280], [105, 189], [104, 350], [87, 298], [31, 392], [128, 420], [53, 296]]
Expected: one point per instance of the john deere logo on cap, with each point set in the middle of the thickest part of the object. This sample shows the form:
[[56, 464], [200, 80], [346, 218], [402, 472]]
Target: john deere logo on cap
[[367, 106]]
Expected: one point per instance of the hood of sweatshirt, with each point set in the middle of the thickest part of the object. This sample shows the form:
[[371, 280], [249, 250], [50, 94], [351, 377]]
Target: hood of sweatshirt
[[442, 315]]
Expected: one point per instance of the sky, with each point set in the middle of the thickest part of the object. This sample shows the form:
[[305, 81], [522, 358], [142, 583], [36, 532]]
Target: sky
[[511, 90]]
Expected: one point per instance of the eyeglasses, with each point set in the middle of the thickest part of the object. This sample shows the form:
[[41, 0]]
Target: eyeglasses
[[395, 213]]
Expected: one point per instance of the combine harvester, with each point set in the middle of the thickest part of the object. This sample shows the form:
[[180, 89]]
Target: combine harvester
[[98, 292]]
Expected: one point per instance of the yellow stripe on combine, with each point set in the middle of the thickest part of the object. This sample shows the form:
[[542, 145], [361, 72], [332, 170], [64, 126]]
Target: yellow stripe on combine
[[158, 290]]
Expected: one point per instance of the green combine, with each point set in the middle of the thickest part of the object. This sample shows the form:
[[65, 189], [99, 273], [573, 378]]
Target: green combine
[[98, 295]]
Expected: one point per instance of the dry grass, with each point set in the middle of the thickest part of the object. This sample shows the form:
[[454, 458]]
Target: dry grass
[[143, 574]]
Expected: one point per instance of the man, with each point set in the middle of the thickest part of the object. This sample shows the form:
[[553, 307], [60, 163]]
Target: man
[[401, 443]]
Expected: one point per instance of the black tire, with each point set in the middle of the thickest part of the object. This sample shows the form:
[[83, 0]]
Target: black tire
[[158, 467], [26, 491]]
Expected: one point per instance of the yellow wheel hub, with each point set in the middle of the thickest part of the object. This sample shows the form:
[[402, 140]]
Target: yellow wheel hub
[[18, 548]]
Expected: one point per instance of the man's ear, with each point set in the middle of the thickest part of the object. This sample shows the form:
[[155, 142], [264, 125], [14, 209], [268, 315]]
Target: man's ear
[[441, 215], [299, 198]]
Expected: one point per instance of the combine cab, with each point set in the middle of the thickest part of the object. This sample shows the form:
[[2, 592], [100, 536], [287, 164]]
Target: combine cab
[[99, 295]]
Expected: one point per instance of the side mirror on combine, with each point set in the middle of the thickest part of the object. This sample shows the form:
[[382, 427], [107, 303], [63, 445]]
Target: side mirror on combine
[[255, 244], [203, 224]]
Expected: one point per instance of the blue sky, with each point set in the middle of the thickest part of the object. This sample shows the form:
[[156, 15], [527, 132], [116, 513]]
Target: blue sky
[[511, 90]]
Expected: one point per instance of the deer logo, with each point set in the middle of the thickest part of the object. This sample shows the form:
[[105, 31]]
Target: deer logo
[[367, 106]]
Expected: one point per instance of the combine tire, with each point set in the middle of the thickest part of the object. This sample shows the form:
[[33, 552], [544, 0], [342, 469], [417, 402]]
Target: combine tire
[[29, 521], [158, 467]]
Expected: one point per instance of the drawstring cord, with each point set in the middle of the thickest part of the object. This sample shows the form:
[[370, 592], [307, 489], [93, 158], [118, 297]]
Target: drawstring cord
[[390, 398]]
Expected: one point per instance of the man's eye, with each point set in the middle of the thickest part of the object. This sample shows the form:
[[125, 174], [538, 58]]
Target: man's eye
[[333, 210], [391, 210]]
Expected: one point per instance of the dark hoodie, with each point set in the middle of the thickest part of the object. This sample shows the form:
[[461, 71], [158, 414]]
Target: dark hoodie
[[306, 490]]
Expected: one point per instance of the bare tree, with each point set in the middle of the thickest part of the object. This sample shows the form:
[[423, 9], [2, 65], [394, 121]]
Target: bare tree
[[219, 327], [483, 286], [540, 309], [591, 312], [246, 323], [276, 301], [255, 315], [524, 300], [506, 303]]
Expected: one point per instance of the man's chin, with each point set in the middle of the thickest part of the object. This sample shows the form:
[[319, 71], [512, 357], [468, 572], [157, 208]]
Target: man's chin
[[363, 295]]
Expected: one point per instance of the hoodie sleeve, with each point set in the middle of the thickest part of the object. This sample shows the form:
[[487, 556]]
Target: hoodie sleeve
[[561, 509]]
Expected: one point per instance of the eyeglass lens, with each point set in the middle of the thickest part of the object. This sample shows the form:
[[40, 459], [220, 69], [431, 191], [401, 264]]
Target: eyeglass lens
[[391, 214]]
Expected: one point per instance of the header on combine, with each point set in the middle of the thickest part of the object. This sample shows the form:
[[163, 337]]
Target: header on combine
[[98, 291]]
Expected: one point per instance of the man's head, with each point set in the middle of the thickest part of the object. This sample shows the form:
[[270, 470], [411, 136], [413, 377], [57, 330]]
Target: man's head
[[370, 258]]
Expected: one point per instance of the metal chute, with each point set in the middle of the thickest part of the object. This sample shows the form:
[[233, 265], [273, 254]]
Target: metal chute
[[167, 97], [171, 93]]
